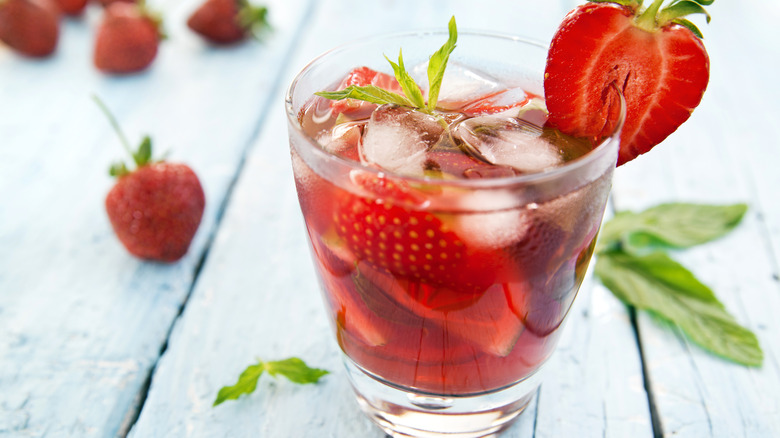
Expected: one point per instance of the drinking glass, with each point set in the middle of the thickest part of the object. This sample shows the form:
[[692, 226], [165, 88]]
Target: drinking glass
[[454, 346]]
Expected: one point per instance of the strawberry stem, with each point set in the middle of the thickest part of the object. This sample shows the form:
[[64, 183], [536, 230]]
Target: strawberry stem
[[114, 125], [648, 19], [141, 157]]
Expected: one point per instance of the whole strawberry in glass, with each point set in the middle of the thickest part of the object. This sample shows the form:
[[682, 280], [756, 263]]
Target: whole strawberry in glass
[[155, 208]]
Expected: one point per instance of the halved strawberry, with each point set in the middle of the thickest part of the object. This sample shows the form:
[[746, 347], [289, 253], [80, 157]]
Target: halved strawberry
[[500, 101], [486, 320], [452, 163], [653, 55], [387, 229], [363, 76]]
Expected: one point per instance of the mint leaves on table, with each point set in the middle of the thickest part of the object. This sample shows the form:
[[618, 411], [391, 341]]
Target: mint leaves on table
[[413, 97], [294, 369], [632, 263]]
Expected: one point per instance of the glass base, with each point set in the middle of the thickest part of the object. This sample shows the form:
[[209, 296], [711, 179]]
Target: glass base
[[407, 414]]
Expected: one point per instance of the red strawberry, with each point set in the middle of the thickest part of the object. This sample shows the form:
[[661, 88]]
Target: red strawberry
[[30, 27], [127, 39], [453, 163], [655, 57], [499, 101], [227, 21], [105, 3], [155, 209], [72, 7], [363, 76], [409, 243]]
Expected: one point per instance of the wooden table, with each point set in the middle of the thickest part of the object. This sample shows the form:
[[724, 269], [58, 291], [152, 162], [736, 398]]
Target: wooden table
[[95, 343]]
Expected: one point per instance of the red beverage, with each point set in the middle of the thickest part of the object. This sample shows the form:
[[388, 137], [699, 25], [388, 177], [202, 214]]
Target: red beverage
[[449, 226], [448, 267]]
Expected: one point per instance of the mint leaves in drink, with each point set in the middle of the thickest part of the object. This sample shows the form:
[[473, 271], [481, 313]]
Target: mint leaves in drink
[[633, 264], [413, 97], [294, 369]]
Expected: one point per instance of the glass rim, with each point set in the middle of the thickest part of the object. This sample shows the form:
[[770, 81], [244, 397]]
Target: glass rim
[[596, 154]]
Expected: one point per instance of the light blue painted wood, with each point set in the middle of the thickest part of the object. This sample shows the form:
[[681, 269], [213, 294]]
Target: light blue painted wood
[[727, 152], [81, 322], [257, 296]]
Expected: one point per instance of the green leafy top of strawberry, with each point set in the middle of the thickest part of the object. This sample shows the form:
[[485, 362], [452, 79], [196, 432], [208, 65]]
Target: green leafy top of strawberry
[[253, 18], [154, 16], [413, 97], [141, 157], [655, 17]]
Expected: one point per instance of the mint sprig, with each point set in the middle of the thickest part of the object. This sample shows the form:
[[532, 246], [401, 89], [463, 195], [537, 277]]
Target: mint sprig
[[413, 97], [632, 263], [294, 369]]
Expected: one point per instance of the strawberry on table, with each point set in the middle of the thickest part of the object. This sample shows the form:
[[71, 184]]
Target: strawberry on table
[[653, 55], [30, 27], [72, 7], [228, 21], [156, 208], [127, 38], [105, 3]]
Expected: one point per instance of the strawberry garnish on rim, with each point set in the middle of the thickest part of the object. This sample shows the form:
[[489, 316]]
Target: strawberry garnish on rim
[[653, 55]]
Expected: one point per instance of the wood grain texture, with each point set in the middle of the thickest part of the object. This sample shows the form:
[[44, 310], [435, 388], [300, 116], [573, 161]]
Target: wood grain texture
[[81, 322], [248, 301], [726, 153]]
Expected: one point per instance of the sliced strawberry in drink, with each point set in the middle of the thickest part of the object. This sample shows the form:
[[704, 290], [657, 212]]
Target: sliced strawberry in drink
[[540, 250], [343, 140], [455, 164], [541, 308], [363, 76], [353, 317], [332, 255], [486, 321], [661, 67], [387, 190], [389, 232], [499, 101]]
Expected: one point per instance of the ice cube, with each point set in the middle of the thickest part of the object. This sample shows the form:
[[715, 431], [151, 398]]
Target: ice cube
[[397, 138], [343, 139], [505, 140], [486, 229]]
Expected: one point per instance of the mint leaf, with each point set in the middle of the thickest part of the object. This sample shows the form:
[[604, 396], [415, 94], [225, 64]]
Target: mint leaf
[[144, 153], [673, 225], [413, 98], [370, 93], [293, 369], [406, 81], [247, 382], [438, 63], [656, 283]]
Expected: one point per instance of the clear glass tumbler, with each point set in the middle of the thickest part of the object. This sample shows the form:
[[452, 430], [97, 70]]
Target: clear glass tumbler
[[446, 295]]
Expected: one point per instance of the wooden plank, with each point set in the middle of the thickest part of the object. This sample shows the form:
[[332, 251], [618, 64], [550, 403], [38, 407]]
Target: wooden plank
[[257, 295], [595, 384], [81, 322], [726, 153]]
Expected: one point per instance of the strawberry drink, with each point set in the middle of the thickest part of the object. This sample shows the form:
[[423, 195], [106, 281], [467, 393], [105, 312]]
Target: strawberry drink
[[450, 225]]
